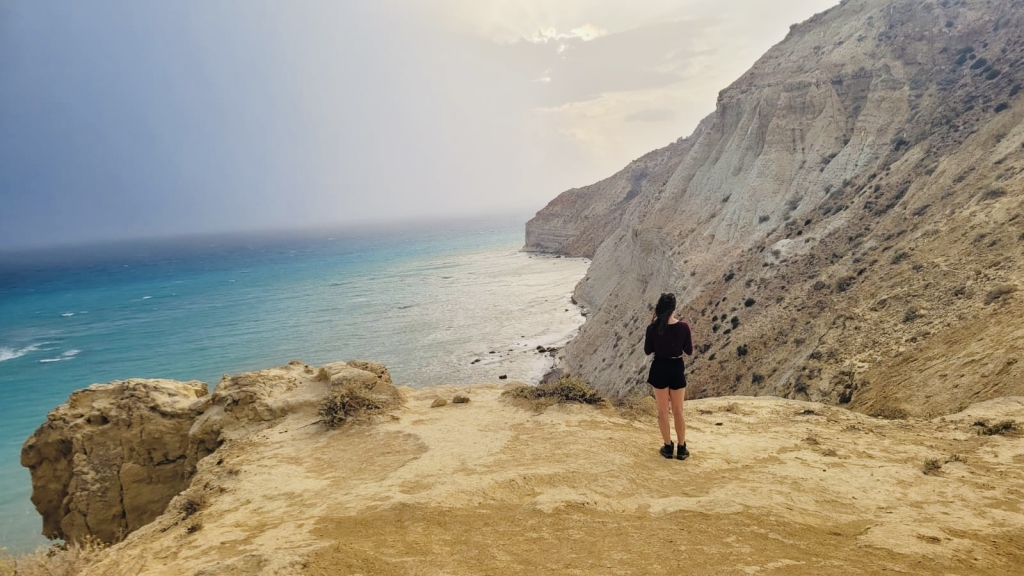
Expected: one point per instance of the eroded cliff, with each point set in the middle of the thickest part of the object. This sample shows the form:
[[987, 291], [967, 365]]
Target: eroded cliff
[[110, 459], [846, 227]]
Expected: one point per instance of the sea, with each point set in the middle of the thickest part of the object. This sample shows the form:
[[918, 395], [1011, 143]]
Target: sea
[[437, 303]]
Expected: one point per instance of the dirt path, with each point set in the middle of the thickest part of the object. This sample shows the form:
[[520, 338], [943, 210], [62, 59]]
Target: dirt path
[[773, 487]]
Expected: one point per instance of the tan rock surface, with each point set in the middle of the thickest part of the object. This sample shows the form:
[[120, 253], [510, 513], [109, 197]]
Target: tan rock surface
[[851, 216], [494, 489], [110, 459]]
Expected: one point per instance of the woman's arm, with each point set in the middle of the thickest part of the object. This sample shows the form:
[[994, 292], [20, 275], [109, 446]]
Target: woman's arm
[[648, 342], [687, 340]]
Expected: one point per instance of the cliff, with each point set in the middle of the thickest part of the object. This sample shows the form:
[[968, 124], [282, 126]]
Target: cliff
[[846, 227], [489, 486], [110, 459]]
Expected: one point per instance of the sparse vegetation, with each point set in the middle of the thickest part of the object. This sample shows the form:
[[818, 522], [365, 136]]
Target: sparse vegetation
[[931, 466], [749, 302], [565, 390], [58, 560], [191, 504], [741, 350], [900, 256], [1004, 428], [353, 401], [845, 283], [638, 405], [998, 292], [995, 193], [891, 413], [911, 313]]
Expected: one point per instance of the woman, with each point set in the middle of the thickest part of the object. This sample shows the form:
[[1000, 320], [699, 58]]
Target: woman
[[667, 338]]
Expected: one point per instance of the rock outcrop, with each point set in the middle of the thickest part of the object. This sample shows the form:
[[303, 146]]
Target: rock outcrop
[[846, 227], [107, 462], [110, 460]]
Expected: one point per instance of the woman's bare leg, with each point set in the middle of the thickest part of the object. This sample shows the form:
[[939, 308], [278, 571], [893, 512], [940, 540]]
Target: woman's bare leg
[[661, 395], [678, 398]]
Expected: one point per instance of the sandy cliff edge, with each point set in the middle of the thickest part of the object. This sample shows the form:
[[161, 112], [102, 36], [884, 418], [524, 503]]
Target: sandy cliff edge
[[773, 486]]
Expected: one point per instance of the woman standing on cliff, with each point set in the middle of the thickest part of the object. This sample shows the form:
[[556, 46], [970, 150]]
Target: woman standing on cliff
[[668, 338]]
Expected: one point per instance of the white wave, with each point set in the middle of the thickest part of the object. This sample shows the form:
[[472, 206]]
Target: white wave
[[69, 355], [146, 297], [68, 314], [10, 353]]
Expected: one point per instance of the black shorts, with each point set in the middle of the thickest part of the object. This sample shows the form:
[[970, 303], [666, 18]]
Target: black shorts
[[667, 373]]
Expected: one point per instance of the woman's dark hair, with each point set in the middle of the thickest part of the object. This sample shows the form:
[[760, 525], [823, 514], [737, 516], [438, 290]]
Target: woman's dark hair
[[663, 311]]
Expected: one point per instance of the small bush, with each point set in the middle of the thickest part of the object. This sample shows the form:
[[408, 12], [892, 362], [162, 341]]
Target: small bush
[[191, 504], [891, 413], [911, 313], [845, 283], [998, 292], [352, 401], [749, 302], [931, 466], [763, 218], [741, 350], [756, 378], [565, 390], [995, 194], [1004, 428], [638, 405], [1001, 106], [56, 560]]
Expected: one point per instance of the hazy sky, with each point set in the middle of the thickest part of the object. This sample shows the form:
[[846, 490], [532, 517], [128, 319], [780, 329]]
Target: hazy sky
[[125, 118]]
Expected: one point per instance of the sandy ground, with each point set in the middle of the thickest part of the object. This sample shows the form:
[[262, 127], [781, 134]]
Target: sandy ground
[[773, 487]]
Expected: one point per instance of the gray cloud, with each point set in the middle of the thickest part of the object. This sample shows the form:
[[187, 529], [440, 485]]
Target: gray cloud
[[658, 115], [127, 119]]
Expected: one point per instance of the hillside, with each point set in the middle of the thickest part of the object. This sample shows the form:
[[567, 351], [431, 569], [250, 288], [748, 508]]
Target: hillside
[[847, 226], [494, 487]]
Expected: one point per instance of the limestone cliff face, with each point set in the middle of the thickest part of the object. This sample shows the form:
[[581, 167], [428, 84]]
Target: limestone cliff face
[[847, 226], [107, 462], [110, 460]]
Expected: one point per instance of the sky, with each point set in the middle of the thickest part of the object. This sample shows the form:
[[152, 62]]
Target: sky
[[122, 119]]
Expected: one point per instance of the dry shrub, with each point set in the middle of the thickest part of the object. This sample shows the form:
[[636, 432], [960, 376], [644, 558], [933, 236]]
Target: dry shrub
[[353, 401], [637, 406], [1004, 428], [57, 560], [998, 292], [565, 390], [891, 413], [931, 466], [191, 503]]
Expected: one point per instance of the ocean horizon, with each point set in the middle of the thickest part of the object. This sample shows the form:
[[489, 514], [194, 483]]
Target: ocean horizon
[[442, 303]]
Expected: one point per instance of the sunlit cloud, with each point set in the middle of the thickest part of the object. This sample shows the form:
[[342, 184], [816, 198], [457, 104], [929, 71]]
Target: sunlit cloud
[[586, 33]]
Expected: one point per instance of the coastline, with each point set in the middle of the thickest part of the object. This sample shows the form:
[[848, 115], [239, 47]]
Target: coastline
[[419, 306]]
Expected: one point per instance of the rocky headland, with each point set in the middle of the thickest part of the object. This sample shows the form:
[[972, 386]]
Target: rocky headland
[[847, 227], [488, 484]]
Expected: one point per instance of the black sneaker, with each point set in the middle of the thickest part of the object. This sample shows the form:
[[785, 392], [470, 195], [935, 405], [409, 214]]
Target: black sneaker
[[666, 450], [683, 452]]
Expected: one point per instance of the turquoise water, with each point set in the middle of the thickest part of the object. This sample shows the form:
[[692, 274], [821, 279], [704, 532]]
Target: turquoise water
[[426, 302]]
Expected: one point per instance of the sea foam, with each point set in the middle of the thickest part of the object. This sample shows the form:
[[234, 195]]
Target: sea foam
[[12, 353]]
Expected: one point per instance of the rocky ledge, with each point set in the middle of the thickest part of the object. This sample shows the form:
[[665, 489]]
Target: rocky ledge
[[110, 459]]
